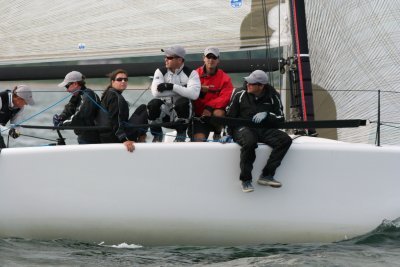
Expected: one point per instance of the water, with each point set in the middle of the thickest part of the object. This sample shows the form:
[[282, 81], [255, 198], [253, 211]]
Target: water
[[380, 247]]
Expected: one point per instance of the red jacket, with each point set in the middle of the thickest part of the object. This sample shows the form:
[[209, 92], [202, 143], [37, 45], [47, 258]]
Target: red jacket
[[218, 95]]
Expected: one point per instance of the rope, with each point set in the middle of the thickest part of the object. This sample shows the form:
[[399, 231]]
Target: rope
[[36, 114]]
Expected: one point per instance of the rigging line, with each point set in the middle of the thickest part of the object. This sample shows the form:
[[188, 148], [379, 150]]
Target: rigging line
[[299, 64], [95, 90], [148, 87], [390, 126], [279, 45], [37, 114], [267, 45], [351, 90], [95, 102], [37, 137], [385, 122]]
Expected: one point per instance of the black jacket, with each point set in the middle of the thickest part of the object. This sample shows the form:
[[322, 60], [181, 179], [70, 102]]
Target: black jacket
[[6, 113], [116, 118], [245, 105], [82, 110]]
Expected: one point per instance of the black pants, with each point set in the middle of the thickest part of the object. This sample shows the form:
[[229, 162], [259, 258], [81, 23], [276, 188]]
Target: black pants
[[2, 144], [139, 116], [247, 138], [182, 107]]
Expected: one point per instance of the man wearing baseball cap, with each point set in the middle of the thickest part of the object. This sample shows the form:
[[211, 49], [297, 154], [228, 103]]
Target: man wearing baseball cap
[[82, 108], [12, 104], [173, 86], [260, 103], [216, 90]]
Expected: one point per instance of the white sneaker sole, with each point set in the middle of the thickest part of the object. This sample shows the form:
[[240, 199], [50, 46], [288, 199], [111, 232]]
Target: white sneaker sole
[[271, 184], [247, 190]]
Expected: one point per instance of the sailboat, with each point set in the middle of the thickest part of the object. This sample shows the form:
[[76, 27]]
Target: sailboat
[[189, 193]]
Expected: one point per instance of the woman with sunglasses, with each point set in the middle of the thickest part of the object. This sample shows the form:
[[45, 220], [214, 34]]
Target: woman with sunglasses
[[12, 104], [117, 115]]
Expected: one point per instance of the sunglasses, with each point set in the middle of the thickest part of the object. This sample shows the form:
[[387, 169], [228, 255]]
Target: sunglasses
[[170, 58], [211, 56], [68, 85], [121, 79], [255, 84]]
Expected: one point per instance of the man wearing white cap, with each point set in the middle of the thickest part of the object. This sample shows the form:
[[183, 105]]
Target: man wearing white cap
[[216, 91], [260, 102], [81, 109], [11, 106], [173, 86]]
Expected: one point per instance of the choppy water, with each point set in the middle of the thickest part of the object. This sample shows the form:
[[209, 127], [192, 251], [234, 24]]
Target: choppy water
[[380, 247]]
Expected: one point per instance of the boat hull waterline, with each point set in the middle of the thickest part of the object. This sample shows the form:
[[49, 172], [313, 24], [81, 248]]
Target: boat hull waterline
[[189, 193]]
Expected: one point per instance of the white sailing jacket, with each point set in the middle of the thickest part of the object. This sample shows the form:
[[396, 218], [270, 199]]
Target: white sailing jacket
[[186, 84]]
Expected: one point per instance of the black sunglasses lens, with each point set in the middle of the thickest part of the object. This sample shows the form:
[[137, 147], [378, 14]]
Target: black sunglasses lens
[[121, 79], [209, 56]]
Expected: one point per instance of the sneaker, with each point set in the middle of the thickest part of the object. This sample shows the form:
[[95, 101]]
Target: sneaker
[[247, 186], [268, 180]]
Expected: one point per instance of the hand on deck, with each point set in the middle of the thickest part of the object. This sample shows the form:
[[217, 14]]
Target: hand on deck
[[130, 145]]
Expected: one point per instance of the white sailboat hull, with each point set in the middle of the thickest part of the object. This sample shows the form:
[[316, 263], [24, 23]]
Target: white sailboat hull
[[189, 193]]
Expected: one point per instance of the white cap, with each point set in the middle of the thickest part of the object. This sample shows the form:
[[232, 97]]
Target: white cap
[[211, 50], [24, 92], [73, 76], [175, 50], [257, 76]]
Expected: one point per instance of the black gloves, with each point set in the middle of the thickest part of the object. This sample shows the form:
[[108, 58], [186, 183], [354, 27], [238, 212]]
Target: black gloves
[[164, 87], [13, 133], [57, 120]]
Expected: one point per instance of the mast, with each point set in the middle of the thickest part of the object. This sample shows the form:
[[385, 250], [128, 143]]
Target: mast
[[302, 61]]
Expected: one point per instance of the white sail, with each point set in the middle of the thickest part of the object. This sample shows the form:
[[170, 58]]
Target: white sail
[[354, 52], [42, 31]]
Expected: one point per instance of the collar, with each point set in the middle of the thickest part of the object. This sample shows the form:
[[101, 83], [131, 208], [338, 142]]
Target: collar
[[177, 71], [115, 90], [262, 95], [205, 74]]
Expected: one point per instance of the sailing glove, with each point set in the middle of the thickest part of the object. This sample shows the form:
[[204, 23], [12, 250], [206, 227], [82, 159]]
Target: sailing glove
[[13, 133], [259, 117], [164, 87], [57, 120]]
